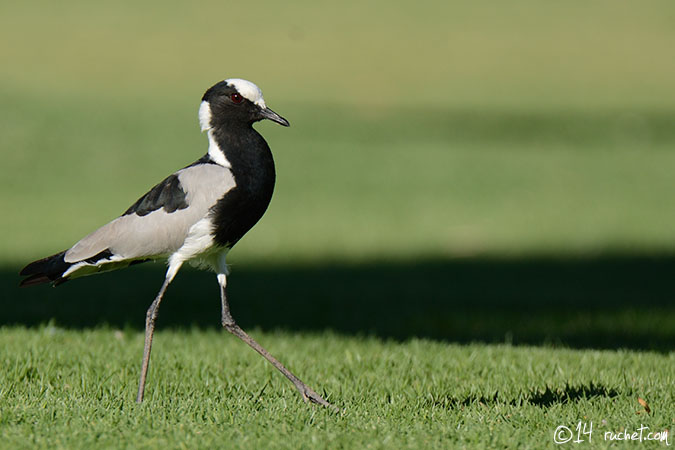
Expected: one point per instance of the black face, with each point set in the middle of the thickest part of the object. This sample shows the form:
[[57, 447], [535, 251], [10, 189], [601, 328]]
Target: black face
[[229, 107]]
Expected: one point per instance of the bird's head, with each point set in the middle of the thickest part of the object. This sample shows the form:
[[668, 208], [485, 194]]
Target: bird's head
[[235, 102]]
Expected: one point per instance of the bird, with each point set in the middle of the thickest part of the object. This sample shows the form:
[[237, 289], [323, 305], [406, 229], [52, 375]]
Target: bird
[[195, 215]]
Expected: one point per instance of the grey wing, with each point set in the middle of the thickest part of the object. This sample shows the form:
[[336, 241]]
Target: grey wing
[[158, 223]]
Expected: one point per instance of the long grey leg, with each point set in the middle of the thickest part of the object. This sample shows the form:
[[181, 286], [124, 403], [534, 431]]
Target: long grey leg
[[228, 322], [150, 318]]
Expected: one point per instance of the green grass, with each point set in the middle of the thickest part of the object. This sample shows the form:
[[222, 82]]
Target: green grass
[[209, 390], [470, 242], [475, 131], [512, 350], [454, 183]]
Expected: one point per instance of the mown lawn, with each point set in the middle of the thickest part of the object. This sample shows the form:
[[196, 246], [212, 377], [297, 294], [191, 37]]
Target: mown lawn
[[507, 351], [470, 243], [75, 389]]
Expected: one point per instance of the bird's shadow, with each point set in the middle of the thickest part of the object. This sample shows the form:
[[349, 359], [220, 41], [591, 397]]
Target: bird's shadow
[[543, 397], [602, 302]]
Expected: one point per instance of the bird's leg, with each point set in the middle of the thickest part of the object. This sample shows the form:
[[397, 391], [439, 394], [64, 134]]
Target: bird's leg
[[150, 318], [230, 325]]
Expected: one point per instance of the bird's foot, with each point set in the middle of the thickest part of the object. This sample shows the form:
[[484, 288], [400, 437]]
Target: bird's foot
[[309, 396]]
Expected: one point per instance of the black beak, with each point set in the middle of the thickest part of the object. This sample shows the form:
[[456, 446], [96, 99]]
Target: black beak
[[267, 113]]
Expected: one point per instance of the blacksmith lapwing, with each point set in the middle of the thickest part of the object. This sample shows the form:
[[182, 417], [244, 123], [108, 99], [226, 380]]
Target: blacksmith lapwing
[[194, 215]]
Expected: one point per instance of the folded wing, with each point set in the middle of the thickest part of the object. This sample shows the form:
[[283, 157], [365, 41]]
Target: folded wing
[[153, 227]]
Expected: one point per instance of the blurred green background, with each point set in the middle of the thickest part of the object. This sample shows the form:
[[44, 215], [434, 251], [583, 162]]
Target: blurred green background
[[480, 167]]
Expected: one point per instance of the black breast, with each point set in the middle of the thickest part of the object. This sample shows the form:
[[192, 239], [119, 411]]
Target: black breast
[[253, 169]]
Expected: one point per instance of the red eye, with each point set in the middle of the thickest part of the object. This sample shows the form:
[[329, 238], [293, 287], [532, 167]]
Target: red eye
[[237, 98]]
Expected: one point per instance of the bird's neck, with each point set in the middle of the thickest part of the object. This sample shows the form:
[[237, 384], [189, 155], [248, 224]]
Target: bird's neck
[[244, 151], [249, 159]]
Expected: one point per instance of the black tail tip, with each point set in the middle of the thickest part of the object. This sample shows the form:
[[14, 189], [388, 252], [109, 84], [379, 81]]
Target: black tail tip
[[34, 279], [45, 270]]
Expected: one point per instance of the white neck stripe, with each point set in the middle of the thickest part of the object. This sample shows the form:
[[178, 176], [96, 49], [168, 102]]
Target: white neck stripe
[[216, 153], [205, 116]]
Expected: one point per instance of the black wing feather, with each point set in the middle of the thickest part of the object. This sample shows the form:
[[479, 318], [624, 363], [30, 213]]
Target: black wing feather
[[168, 194]]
